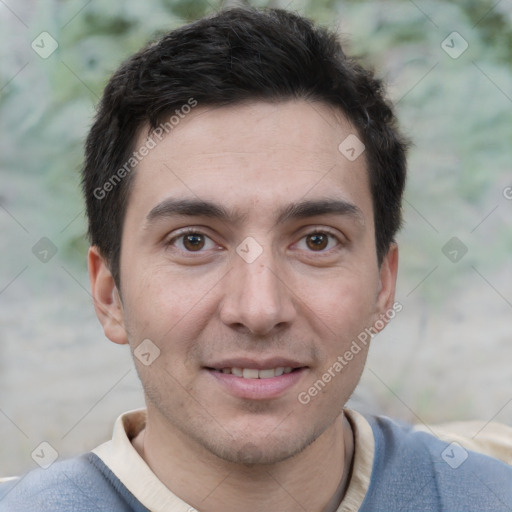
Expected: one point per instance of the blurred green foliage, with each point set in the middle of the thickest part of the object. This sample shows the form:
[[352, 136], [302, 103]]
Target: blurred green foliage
[[456, 111]]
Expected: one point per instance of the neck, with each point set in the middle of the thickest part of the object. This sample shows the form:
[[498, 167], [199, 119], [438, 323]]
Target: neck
[[209, 483]]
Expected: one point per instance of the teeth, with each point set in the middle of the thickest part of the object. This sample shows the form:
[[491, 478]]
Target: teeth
[[266, 374], [252, 373]]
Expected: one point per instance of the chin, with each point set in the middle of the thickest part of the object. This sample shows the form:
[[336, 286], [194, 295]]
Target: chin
[[268, 450], [249, 438]]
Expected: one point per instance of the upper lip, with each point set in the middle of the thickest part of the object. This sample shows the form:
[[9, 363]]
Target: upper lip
[[260, 364]]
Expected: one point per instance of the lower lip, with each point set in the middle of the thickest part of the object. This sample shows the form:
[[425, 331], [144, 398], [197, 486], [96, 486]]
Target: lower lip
[[258, 389]]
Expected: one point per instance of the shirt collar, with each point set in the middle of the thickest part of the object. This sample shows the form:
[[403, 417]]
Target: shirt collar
[[122, 459]]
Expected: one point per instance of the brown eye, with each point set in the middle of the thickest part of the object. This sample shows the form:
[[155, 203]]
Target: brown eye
[[193, 241], [317, 241]]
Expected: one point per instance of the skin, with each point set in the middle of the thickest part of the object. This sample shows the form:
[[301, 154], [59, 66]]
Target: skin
[[296, 300]]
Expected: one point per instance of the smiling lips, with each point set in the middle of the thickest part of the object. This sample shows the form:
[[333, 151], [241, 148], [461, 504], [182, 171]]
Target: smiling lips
[[247, 379], [253, 373]]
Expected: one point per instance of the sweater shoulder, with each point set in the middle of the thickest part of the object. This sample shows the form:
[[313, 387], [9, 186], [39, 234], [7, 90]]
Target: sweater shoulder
[[80, 484], [415, 470]]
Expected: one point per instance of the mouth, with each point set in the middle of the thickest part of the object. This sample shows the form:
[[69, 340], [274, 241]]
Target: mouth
[[257, 380], [254, 373]]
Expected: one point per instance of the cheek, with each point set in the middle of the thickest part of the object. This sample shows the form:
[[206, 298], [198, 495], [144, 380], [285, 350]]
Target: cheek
[[345, 303], [169, 309], [161, 295]]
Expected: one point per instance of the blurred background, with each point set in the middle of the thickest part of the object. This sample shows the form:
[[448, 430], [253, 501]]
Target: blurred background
[[446, 356]]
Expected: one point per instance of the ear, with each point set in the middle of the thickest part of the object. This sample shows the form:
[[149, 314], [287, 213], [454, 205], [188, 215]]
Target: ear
[[107, 302], [387, 285]]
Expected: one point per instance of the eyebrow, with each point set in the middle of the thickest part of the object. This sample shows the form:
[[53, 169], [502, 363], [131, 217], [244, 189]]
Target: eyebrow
[[172, 207]]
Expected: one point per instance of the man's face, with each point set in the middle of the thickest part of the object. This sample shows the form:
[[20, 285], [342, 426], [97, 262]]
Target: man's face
[[293, 295]]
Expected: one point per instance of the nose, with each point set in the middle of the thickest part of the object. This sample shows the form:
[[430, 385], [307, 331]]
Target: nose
[[257, 298]]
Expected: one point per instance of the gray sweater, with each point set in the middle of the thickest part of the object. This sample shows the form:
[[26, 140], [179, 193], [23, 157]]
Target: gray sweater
[[412, 471]]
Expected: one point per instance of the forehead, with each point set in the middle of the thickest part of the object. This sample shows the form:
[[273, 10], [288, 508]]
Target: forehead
[[258, 156]]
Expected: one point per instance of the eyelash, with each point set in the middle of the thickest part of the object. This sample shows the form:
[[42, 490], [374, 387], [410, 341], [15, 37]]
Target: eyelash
[[192, 231]]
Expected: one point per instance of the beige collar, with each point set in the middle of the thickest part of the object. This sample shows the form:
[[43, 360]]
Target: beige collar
[[124, 461]]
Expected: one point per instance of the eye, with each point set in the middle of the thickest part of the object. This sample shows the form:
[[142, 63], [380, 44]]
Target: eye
[[192, 241], [319, 241]]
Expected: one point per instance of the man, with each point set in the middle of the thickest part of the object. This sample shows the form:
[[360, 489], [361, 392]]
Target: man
[[243, 181]]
